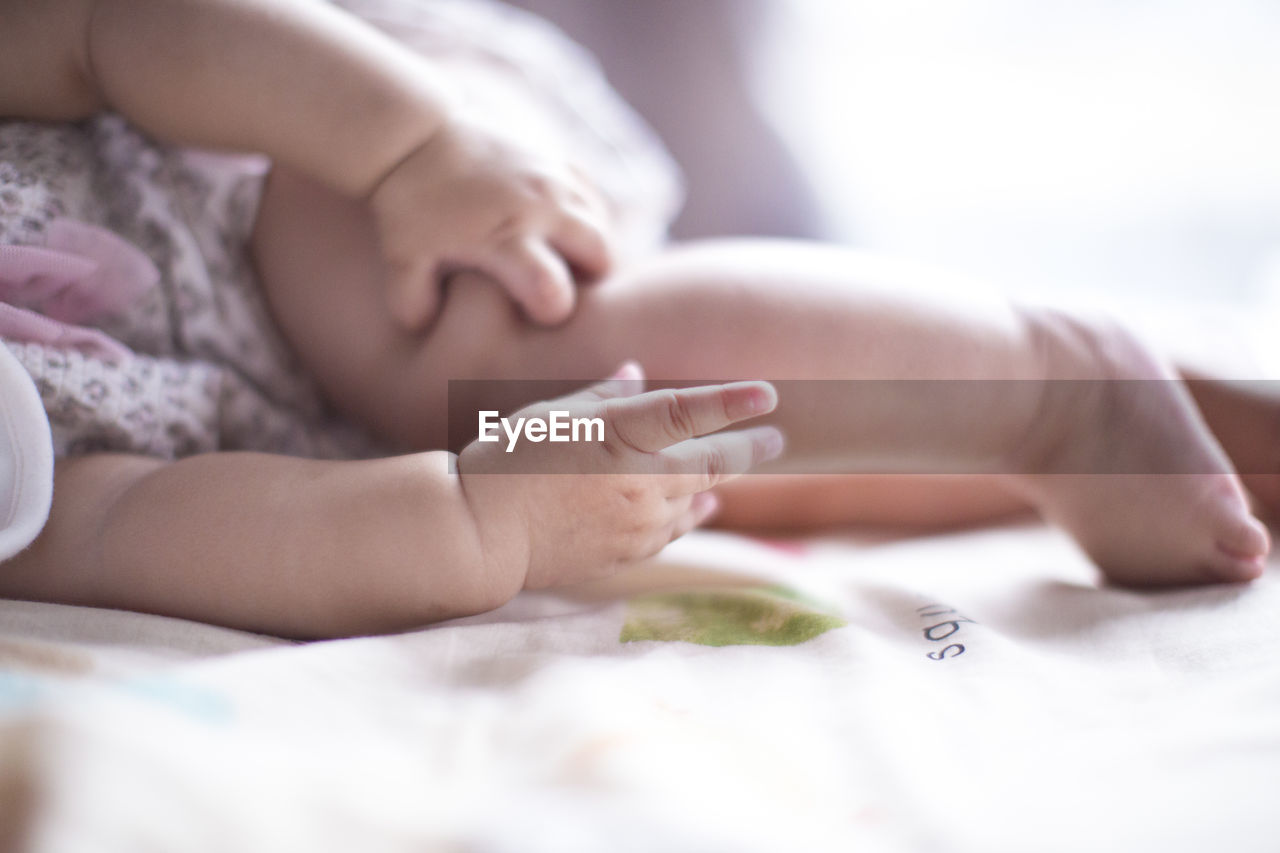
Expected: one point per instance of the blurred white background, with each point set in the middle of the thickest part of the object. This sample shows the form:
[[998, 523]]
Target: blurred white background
[[1120, 154], [1087, 149]]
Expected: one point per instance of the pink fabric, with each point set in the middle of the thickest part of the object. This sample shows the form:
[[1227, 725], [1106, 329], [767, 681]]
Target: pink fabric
[[23, 326], [82, 273]]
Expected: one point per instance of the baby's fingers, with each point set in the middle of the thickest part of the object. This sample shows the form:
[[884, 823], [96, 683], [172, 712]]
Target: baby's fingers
[[650, 422], [583, 245], [707, 462], [535, 276]]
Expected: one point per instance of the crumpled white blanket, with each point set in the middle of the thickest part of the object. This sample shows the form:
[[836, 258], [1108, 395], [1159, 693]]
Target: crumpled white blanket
[[969, 692]]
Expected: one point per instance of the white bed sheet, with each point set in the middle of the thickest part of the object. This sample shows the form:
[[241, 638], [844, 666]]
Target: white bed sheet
[[1078, 717]]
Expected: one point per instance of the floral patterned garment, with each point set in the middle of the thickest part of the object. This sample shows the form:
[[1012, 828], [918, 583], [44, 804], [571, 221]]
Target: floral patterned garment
[[177, 354], [126, 289]]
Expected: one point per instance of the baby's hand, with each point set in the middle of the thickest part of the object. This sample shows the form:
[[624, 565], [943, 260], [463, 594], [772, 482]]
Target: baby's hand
[[562, 513], [467, 199]]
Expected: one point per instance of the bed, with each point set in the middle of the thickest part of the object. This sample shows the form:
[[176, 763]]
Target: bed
[[973, 691]]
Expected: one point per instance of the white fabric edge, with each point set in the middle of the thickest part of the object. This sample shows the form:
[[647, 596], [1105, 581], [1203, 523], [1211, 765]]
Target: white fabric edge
[[26, 450]]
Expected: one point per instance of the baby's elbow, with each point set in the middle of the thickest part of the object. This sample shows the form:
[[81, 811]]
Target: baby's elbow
[[45, 68]]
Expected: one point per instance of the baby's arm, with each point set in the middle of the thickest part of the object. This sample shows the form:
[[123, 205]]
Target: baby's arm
[[308, 548], [264, 543], [299, 80], [316, 88]]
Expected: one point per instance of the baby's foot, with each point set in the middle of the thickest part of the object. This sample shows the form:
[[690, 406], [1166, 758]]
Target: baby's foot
[[1123, 461], [1245, 418]]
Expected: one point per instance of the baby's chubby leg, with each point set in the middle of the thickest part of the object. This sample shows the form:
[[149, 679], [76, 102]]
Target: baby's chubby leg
[[728, 310], [1136, 477], [1112, 448]]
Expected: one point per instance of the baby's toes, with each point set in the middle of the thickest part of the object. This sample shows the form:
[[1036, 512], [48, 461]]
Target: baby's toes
[[1244, 543], [1222, 568], [1175, 531], [1241, 541]]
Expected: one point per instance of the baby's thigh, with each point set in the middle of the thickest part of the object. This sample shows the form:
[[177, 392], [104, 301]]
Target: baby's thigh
[[317, 256], [699, 313]]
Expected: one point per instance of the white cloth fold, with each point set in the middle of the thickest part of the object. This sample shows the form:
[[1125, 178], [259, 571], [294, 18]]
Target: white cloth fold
[[26, 458]]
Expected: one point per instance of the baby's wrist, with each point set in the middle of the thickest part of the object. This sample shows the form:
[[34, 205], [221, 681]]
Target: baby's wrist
[[501, 534], [372, 189], [416, 128], [411, 105]]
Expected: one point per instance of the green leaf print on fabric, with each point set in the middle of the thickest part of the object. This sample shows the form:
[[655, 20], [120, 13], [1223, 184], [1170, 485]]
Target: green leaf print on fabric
[[729, 616]]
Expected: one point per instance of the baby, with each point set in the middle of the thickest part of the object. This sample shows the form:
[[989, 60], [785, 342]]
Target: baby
[[411, 233]]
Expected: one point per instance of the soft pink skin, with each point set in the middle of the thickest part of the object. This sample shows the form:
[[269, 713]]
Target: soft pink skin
[[759, 309]]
